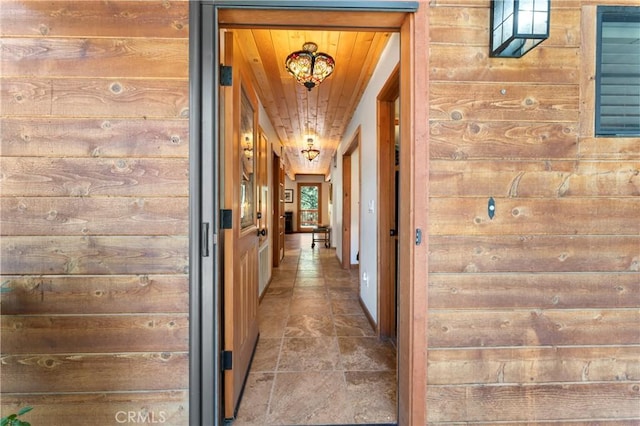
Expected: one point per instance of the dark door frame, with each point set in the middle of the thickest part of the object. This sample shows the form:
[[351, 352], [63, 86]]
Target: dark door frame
[[347, 199], [277, 217], [204, 189], [387, 220]]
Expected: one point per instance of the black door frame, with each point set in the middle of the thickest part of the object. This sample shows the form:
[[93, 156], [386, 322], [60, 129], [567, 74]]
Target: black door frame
[[205, 242]]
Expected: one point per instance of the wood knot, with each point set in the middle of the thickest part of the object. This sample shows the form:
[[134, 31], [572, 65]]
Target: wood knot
[[49, 363], [459, 155], [456, 115], [115, 88]]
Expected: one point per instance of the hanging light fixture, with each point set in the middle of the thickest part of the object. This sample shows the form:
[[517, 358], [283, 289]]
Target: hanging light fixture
[[310, 153], [308, 67], [517, 26]]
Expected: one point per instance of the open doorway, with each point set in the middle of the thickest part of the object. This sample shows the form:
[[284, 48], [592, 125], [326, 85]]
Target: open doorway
[[206, 328]]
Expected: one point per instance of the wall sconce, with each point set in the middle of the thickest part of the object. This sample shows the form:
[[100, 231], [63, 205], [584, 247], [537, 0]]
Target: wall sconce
[[248, 149], [517, 26]]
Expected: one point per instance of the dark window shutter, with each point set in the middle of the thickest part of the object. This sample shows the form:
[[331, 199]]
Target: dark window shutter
[[618, 72]]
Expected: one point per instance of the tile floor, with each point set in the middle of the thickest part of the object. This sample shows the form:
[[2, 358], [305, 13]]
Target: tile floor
[[318, 360]]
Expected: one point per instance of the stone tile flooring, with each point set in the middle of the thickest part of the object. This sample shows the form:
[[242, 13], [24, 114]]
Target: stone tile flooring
[[318, 360]]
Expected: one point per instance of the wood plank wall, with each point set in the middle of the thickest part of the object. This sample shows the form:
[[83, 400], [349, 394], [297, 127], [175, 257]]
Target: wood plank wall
[[534, 315], [94, 210]]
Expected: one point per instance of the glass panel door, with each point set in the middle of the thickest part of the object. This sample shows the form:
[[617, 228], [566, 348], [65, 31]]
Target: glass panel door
[[310, 206]]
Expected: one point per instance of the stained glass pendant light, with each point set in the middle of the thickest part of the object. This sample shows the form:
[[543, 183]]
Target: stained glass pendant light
[[308, 67], [310, 153]]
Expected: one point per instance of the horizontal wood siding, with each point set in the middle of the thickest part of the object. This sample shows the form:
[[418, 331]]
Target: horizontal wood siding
[[534, 315], [94, 171]]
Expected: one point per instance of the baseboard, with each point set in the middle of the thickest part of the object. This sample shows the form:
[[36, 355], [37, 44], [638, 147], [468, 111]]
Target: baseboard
[[368, 314], [266, 287]]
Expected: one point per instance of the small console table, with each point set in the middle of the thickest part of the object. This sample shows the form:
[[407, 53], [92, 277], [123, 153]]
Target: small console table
[[321, 234]]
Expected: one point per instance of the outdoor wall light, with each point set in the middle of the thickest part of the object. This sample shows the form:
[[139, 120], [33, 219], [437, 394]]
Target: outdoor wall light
[[517, 26]]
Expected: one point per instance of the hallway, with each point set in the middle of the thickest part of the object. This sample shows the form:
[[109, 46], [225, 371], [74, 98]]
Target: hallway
[[318, 360]]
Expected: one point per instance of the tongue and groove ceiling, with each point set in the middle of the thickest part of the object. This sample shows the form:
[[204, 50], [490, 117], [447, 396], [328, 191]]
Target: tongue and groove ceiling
[[326, 110]]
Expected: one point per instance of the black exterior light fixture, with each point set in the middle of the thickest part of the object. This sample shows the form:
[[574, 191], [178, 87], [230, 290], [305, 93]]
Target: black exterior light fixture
[[517, 26]]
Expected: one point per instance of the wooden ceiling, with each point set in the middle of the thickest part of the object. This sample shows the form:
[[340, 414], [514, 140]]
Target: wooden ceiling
[[324, 112]]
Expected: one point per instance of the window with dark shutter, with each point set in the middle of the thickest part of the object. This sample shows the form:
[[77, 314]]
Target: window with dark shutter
[[618, 72]]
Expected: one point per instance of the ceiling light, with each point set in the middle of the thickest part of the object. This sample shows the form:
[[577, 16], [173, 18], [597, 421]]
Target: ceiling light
[[308, 67], [310, 153]]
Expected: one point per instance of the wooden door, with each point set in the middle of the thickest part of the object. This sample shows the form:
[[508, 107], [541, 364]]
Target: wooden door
[[278, 210], [262, 185], [240, 274], [388, 194], [264, 227]]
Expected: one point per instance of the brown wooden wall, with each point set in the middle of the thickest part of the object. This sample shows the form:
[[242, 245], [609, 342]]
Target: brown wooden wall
[[94, 210], [534, 315]]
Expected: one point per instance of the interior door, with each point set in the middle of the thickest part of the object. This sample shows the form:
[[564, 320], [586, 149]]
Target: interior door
[[389, 204], [309, 206], [239, 196], [263, 187], [278, 210]]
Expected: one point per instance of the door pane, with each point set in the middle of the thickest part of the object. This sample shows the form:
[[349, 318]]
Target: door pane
[[309, 206], [247, 166]]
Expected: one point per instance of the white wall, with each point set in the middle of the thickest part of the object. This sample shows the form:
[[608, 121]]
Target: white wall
[[365, 118]]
